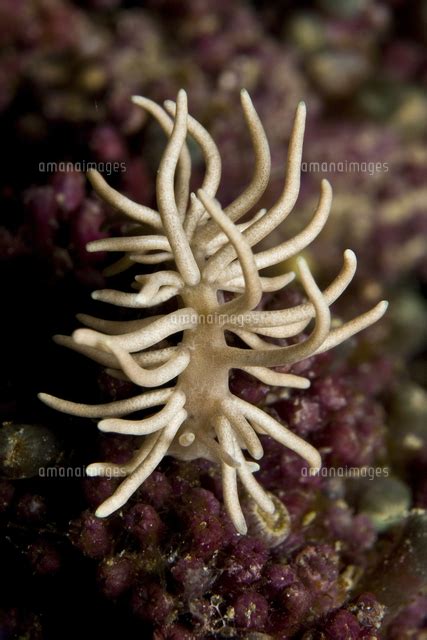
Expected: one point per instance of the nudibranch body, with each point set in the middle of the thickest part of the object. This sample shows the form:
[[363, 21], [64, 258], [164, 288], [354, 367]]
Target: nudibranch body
[[201, 251]]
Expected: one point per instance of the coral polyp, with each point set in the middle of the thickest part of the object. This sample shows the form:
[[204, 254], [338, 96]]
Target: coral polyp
[[203, 251]]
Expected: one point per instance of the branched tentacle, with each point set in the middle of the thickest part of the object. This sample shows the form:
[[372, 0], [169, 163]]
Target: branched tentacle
[[135, 300], [145, 468], [253, 488], [219, 453], [156, 356], [114, 327], [252, 340], [129, 244], [253, 291], [139, 456], [135, 211], [277, 431], [152, 258], [174, 230], [239, 423], [123, 264], [303, 311], [117, 408], [221, 239], [295, 352], [212, 176], [285, 331], [365, 320], [268, 285], [184, 162], [150, 377], [142, 338], [229, 476], [147, 425], [155, 280], [287, 249], [258, 184], [276, 379], [260, 228]]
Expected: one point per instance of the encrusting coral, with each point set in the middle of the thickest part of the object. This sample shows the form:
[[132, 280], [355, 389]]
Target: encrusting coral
[[212, 254]]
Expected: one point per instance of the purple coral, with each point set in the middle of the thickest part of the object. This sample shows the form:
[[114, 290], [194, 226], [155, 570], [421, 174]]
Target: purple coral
[[65, 70]]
